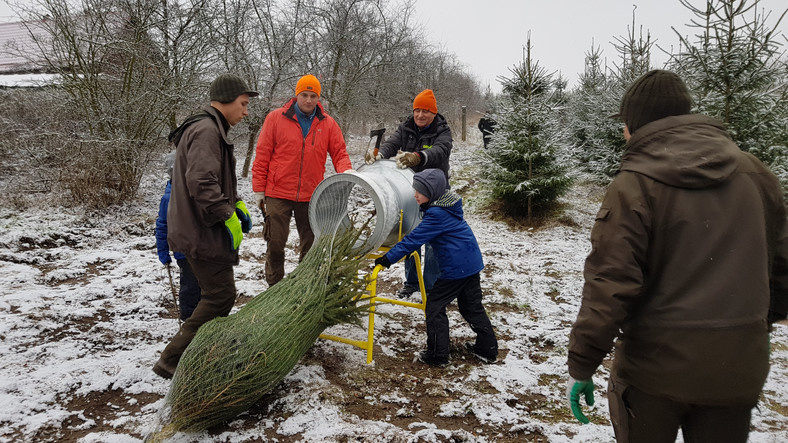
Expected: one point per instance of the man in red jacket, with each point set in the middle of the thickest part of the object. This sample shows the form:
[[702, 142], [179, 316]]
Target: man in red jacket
[[289, 163]]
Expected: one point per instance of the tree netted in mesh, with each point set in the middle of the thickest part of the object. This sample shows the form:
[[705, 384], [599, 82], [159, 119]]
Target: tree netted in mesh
[[234, 361]]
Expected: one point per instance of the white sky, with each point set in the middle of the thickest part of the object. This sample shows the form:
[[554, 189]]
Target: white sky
[[489, 35]]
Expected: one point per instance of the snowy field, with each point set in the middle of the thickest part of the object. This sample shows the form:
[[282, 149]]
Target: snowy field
[[86, 309]]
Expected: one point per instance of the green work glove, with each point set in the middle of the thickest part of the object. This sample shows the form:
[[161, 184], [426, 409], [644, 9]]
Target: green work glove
[[574, 389], [243, 216], [233, 226]]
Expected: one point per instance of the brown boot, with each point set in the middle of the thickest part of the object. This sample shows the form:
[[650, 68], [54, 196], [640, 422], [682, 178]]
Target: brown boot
[[163, 370]]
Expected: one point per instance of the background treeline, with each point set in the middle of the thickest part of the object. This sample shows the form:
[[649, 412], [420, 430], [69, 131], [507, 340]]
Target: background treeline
[[732, 60], [130, 70]]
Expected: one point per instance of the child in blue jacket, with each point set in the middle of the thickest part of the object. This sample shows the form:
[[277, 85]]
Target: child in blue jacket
[[460, 261], [189, 292]]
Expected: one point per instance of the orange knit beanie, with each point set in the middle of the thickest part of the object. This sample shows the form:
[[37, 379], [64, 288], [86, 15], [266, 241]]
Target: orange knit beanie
[[426, 100], [308, 83]]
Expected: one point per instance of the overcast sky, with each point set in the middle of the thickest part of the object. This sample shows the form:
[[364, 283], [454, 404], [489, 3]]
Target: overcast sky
[[489, 35]]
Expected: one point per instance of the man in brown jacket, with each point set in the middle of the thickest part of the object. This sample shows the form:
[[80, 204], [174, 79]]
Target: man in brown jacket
[[688, 270], [206, 219]]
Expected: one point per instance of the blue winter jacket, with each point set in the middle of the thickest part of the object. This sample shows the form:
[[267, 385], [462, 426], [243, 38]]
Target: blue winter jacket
[[452, 240], [162, 248]]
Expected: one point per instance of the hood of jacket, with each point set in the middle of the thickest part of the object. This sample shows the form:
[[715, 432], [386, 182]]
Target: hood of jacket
[[451, 202], [687, 151]]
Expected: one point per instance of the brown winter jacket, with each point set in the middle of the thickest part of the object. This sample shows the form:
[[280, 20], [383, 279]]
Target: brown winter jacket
[[688, 246], [204, 192]]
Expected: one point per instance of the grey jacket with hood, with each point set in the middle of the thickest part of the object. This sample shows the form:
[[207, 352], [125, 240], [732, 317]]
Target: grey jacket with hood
[[204, 191], [689, 255]]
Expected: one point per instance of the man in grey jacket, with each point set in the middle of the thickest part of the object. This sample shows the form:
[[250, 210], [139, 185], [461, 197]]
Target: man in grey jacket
[[206, 218], [687, 272]]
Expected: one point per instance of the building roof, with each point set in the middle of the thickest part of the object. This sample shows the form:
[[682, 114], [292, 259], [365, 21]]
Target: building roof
[[18, 51]]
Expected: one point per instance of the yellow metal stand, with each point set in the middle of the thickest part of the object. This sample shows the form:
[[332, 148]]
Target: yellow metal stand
[[372, 279]]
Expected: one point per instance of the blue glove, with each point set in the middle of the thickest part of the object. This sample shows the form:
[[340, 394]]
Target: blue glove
[[243, 216], [382, 261], [164, 257], [574, 389], [233, 227]]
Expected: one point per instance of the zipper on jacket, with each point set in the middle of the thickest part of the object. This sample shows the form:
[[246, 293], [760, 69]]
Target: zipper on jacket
[[301, 167]]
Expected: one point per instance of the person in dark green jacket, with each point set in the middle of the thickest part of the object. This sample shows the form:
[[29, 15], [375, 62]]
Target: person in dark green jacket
[[688, 269]]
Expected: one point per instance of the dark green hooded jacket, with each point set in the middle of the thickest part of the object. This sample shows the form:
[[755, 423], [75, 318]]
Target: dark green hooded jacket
[[689, 254]]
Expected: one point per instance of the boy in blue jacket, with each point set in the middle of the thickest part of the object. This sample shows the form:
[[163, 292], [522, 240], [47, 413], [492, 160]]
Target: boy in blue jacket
[[460, 261], [189, 292]]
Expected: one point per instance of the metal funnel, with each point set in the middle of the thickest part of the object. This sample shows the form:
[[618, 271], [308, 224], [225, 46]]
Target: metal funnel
[[375, 192]]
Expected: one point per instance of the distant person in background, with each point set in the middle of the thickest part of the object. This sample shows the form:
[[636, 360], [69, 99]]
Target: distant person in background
[[487, 127], [461, 263], [205, 218], [687, 272], [189, 288], [289, 163], [423, 141]]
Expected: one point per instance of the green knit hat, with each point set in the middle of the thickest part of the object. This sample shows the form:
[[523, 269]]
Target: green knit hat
[[227, 87], [656, 94]]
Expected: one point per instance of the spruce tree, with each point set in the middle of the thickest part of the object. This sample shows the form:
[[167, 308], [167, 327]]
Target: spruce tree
[[527, 177], [597, 139], [736, 73]]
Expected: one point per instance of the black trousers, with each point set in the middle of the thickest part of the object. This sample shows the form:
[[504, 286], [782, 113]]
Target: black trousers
[[643, 418], [468, 293]]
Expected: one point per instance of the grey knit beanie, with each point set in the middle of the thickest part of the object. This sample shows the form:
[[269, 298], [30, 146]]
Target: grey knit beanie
[[430, 183], [656, 94], [227, 87]]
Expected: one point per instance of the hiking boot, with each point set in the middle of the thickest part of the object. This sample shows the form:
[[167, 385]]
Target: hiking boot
[[407, 291], [437, 362], [471, 347], [162, 370]]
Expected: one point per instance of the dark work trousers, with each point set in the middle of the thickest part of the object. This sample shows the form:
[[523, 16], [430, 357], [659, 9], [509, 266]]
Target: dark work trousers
[[276, 231], [217, 283], [189, 290], [643, 418], [431, 272], [468, 293]]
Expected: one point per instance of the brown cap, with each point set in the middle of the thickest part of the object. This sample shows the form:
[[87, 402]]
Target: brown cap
[[227, 87], [656, 94]]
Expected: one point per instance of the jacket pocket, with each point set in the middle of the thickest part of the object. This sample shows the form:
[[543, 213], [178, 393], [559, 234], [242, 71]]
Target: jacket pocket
[[603, 213]]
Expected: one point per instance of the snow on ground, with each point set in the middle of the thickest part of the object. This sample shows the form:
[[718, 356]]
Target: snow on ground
[[85, 310]]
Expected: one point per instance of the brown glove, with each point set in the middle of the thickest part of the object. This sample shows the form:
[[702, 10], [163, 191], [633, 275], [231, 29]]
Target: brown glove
[[408, 159], [370, 157]]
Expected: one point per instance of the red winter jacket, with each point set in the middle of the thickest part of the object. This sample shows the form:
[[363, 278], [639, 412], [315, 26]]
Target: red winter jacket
[[289, 166]]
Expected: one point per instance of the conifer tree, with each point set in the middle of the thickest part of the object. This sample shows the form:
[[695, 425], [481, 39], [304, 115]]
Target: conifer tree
[[526, 175], [736, 72], [596, 138]]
